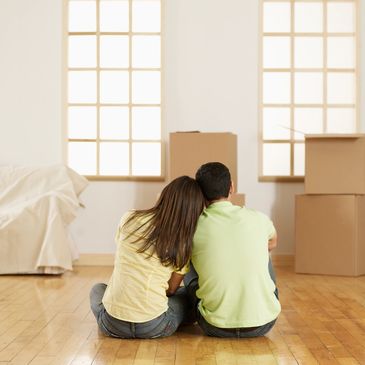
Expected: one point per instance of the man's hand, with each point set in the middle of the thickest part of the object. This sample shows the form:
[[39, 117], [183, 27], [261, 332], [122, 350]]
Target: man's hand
[[273, 242]]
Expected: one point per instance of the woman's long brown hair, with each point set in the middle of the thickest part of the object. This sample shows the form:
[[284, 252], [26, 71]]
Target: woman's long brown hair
[[170, 225]]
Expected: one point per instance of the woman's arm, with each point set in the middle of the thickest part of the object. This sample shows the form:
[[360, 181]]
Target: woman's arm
[[174, 283]]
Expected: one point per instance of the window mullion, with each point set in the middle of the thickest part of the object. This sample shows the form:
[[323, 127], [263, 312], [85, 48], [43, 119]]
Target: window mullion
[[98, 87], [130, 73], [325, 69], [292, 86]]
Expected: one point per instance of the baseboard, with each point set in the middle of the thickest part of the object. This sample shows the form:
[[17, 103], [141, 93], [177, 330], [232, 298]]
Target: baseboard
[[107, 259], [283, 260], [95, 259]]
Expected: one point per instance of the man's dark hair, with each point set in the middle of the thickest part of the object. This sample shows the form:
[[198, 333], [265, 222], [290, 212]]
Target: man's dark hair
[[214, 179]]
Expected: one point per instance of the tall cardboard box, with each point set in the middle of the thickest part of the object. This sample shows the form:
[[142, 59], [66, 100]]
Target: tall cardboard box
[[330, 234], [189, 150], [335, 164]]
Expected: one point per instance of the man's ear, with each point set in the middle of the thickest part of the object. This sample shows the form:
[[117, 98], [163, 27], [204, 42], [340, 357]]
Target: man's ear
[[231, 188]]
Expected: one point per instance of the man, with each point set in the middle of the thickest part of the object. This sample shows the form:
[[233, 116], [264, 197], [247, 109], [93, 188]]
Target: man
[[233, 284]]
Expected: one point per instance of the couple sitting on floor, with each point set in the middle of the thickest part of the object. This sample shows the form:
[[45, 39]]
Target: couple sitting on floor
[[222, 253]]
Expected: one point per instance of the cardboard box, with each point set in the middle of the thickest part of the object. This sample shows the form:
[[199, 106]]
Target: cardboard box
[[330, 234], [238, 199], [335, 164], [190, 150]]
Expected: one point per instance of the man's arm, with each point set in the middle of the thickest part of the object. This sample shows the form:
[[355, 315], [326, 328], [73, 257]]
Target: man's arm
[[273, 242], [174, 283]]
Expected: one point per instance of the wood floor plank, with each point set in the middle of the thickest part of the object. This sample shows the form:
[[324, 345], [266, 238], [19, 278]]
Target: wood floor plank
[[126, 353], [279, 348], [87, 352], [205, 351], [165, 352], [348, 361], [244, 351], [224, 353], [146, 352], [107, 351]]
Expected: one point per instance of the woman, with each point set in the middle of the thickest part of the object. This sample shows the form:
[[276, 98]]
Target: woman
[[153, 250]]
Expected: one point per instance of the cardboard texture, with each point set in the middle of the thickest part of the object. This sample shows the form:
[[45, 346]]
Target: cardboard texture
[[238, 199], [190, 150], [335, 164], [330, 234]]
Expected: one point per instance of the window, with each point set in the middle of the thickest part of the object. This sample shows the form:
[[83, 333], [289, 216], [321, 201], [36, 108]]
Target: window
[[308, 79], [114, 88]]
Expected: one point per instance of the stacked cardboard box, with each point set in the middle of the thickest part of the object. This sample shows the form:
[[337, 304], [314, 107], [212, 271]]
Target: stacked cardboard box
[[330, 217], [189, 150]]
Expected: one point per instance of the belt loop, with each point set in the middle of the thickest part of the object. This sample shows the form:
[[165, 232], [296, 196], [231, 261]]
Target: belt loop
[[133, 330], [238, 332]]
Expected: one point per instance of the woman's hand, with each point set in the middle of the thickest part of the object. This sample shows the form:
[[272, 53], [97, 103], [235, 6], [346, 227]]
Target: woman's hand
[[174, 283]]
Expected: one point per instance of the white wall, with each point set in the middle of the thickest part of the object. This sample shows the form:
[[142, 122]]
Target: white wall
[[211, 84], [30, 82], [362, 65]]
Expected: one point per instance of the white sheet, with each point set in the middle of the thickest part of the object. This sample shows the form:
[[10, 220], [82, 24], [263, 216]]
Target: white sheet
[[36, 207]]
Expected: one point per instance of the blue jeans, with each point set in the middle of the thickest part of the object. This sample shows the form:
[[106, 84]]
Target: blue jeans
[[191, 284], [164, 325]]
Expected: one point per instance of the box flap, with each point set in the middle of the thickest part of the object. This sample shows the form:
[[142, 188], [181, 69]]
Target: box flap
[[197, 132], [186, 132], [333, 135]]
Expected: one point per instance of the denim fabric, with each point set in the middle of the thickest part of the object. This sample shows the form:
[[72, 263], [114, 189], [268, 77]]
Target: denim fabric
[[191, 284], [164, 325], [211, 330]]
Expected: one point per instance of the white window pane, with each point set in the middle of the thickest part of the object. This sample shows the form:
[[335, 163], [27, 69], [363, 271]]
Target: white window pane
[[114, 87], [146, 87], [341, 52], [82, 157], [82, 122], [341, 88], [308, 88], [276, 123], [114, 16], [308, 17], [276, 52], [82, 51], [146, 123], [114, 122], [341, 17], [114, 51], [114, 158], [307, 121], [146, 52], [308, 52], [146, 159], [341, 120], [277, 17], [276, 159], [276, 87], [146, 16], [82, 16], [299, 159], [82, 87]]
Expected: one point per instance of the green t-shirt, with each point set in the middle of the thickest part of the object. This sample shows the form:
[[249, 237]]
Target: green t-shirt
[[230, 255]]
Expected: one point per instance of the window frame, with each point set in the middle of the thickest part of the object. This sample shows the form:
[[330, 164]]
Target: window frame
[[98, 104], [292, 70]]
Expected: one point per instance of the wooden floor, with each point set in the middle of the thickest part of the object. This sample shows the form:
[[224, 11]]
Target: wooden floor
[[46, 320]]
